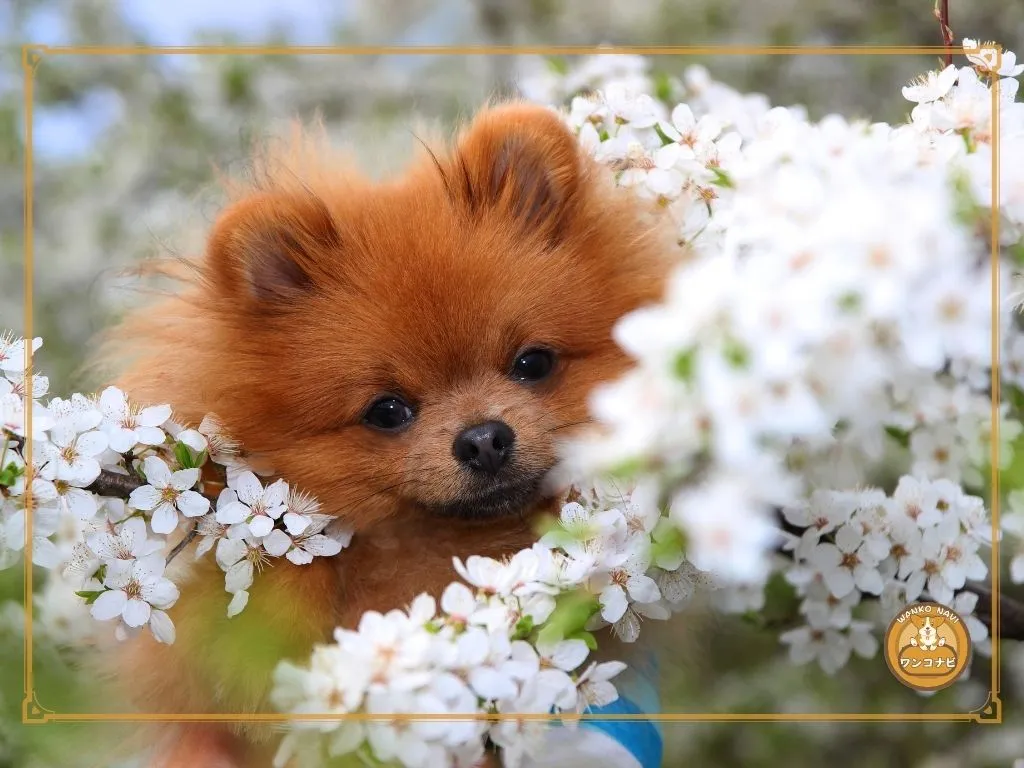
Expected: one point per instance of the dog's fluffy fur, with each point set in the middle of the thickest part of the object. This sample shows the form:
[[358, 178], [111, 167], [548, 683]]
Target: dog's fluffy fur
[[320, 290]]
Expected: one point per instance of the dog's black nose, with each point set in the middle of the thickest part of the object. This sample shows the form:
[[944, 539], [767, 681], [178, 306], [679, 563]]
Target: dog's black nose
[[484, 447]]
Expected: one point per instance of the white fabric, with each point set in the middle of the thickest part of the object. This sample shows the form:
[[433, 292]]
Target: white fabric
[[582, 748]]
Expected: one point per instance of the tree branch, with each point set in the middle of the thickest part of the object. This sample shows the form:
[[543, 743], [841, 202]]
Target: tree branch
[[192, 533], [941, 12], [1011, 612], [115, 484]]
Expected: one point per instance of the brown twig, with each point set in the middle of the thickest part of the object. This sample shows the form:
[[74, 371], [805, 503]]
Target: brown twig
[[941, 12], [189, 537], [1011, 612], [115, 484]]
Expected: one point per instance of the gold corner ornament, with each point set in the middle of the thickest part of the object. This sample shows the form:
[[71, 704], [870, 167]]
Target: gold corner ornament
[[927, 646]]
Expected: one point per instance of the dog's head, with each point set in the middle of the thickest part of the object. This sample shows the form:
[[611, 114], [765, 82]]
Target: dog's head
[[421, 345]]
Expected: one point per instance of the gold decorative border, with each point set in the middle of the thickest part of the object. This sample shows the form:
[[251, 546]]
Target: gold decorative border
[[32, 56]]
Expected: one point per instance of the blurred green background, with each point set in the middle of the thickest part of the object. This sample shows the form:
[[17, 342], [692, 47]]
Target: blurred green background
[[124, 153]]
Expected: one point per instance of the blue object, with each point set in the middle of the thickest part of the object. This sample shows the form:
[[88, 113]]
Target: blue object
[[638, 694], [641, 737]]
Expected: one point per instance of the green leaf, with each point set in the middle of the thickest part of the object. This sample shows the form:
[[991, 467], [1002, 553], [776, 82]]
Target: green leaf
[[737, 355], [90, 595], [665, 140], [187, 458], [586, 637], [662, 86], [237, 83], [966, 208], [9, 475], [781, 603], [572, 612], [965, 134], [901, 436], [1017, 253], [753, 618], [183, 455], [684, 364], [558, 65], [523, 628], [722, 179], [850, 301], [667, 541], [625, 470]]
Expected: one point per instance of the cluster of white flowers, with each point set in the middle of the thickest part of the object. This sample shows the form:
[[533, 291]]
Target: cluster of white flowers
[[511, 639], [830, 322], [112, 483], [922, 542]]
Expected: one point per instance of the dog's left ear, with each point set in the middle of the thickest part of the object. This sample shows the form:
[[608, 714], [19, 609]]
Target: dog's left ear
[[520, 160]]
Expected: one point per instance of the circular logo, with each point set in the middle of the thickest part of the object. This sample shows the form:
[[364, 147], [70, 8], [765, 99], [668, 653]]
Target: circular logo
[[927, 646]]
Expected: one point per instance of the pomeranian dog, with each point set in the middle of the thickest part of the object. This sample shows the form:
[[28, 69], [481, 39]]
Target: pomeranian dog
[[410, 353]]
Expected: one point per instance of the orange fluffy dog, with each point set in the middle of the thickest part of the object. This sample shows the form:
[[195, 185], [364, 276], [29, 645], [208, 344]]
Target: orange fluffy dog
[[408, 352]]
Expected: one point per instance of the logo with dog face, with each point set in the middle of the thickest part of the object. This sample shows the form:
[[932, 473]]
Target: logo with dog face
[[927, 646]]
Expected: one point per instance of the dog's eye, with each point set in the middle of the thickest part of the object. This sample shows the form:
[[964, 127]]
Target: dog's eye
[[389, 414], [533, 365]]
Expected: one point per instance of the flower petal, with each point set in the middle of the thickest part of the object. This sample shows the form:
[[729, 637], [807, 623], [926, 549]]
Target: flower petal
[[154, 415], [192, 504], [238, 576], [163, 594], [150, 435], [136, 612], [233, 512], [261, 525], [81, 504], [299, 556], [109, 605], [643, 589], [277, 543], [121, 440], [158, 474], [184, 479], [92, 443], [295, 524], [613, 603], [569, 654], [165, 518], [488, 683], [275, 494], [229, 552], [238, 603], [321, 546], [193, 439], [162, 627], [248, 488], [45, 553], [112, 402]]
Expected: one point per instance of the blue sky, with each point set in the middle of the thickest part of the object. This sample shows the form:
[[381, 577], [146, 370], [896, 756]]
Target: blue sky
[[69, 133]]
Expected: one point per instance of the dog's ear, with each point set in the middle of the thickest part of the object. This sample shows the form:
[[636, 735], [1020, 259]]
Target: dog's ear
[[523, 161], [917, 621], [938, 621], [272, 248]]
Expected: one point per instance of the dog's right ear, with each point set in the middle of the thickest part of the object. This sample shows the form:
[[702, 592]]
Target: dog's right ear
[[520, 159], [270, 250], [917, 621]]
